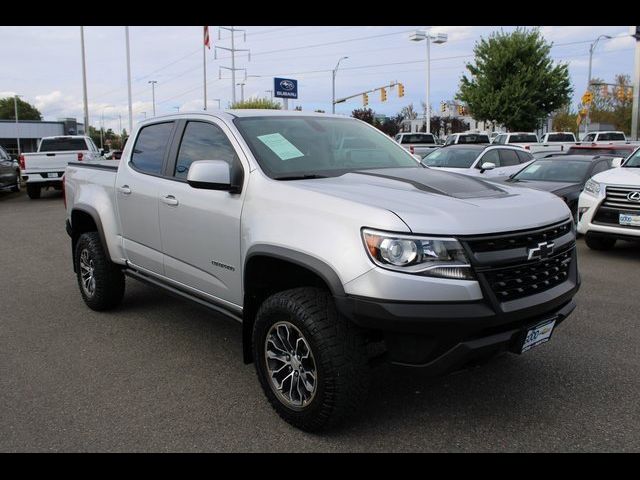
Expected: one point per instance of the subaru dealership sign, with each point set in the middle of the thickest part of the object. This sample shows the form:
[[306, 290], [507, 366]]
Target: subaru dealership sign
[[285, 88]]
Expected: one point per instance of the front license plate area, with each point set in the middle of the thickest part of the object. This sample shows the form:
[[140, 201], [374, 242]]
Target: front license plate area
[[538, 335], [629, 219]]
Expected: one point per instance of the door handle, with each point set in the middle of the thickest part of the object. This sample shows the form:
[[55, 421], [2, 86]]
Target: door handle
[[124, 189], [170, 200]]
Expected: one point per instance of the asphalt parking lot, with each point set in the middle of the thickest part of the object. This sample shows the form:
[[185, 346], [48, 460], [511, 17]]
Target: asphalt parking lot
[[160, 374]]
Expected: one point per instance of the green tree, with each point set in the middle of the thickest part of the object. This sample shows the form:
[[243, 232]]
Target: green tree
[[514, 81], [364, 114], [260, 103], [26, 111], [564, 120]]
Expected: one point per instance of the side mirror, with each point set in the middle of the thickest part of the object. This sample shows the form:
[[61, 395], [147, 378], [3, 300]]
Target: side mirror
[[211, 175], [487, 166], [617, 162]]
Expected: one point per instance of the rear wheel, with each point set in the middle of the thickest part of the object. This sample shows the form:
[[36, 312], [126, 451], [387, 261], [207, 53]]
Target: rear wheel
[[100, 280], [599, 243], [33, 191], [311, 362]]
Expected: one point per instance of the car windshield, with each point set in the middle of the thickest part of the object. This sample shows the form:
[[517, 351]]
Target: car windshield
[[634, 160], [418, 138], [451, 158], [559, 170], [292, 147]]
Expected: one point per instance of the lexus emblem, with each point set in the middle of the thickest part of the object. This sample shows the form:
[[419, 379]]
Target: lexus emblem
[[633, 196], [542, 251]]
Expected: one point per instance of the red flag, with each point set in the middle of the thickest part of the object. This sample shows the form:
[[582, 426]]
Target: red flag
[[207, 42]]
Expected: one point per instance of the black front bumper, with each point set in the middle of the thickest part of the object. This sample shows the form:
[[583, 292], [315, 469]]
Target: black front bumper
[[443, 336]]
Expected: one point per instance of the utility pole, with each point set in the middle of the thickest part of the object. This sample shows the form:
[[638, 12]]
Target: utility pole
[[15, 106], [126, 32], [233, 51], [153, 94], [635, 32], [242, 84], [592, 48], [333, 85], [84, 83]]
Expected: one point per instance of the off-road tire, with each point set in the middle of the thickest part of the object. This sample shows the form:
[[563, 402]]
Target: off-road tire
[[338, 347], [109, 279]]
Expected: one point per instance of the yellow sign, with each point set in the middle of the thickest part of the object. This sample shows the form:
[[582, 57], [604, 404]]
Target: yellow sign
[[587, 98]]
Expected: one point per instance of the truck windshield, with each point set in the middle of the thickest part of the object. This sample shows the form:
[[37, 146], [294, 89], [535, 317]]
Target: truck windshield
[[62, 144], [418, 138], [560, 170], [560, 137], [634, 160], [293, 147], [451, 158], [523, 138]]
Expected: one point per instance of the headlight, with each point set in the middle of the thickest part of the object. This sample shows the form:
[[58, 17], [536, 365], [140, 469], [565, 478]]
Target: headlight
[[434, 257], [592, 187]]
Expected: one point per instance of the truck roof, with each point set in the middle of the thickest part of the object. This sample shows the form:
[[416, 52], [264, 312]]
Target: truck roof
[[246, 113]]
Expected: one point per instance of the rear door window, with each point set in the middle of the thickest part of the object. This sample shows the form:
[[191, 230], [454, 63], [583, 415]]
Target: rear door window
[[524, 156], [508, 158], [151, 147]]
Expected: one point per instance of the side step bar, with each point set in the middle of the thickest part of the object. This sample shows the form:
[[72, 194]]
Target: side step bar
[[181, 294]]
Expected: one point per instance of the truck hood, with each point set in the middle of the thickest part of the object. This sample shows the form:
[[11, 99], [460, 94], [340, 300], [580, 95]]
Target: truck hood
[[437, 202], [620, 176]]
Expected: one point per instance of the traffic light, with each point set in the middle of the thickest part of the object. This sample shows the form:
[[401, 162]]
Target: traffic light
[[400, 90], [365, 99], [587, 98], [460, 110], [383, 94], [620, 93], [443, 107], [630, 94]]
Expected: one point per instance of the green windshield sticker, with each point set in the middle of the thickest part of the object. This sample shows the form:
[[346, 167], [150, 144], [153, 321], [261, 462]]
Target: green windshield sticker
[[281, 146]]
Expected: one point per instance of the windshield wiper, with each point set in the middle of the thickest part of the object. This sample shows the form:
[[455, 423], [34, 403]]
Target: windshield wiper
[[308, 176]]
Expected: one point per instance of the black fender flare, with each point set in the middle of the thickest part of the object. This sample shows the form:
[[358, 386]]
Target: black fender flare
[[95, 216]]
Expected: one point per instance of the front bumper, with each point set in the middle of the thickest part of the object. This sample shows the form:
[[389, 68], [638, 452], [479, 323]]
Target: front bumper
[[589, 206], [443, 336]]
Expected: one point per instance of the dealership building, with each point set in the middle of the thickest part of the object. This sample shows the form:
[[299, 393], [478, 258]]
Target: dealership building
[[29, 132]]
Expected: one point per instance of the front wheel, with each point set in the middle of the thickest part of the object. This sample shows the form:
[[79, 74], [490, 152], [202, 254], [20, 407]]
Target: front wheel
[[311, 362], [599, 243], [100, 280]]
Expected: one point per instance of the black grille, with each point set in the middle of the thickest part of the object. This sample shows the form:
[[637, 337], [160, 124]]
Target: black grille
[[527, 279], [518, 240], [615, 203]]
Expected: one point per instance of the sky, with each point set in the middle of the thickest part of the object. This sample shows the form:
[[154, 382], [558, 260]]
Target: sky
[[45, 65]]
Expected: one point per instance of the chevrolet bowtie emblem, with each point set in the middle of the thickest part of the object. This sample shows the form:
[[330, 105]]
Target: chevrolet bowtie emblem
[[542, 251]]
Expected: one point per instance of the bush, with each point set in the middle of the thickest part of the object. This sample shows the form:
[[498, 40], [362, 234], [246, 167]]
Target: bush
[[258, 103]]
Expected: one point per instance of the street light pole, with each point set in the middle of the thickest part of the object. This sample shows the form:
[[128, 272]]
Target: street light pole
[[84, 83], [15, 106], [333, 85], [241, 84], [126, 31], [592, 47], [437, 38], [636, 85], [153, 94]]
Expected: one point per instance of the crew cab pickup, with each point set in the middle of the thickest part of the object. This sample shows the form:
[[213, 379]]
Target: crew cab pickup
[[605, 137], [609, 205], [333, 258], [45, 168], [418, 143]]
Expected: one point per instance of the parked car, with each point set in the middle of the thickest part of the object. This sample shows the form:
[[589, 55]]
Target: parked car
[[558, 138], [605, 136], [547, 153], [518, 138], [45, 168], [564, 176], [479, 160], [466, 138], [113, 155], [9, 172], [609, 206], [418, 143], [332, 258]]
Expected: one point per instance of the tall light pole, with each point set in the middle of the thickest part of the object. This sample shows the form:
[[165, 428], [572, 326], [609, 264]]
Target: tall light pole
[[15, 106], [635, 33], [241, 84], [153, 94], [592, 48], [102, 125], [84, 83], [126, 32], [438, 38], [333, 85]]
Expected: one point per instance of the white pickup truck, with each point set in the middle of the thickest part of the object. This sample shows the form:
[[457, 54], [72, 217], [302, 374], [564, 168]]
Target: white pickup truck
[[333, 254], [418, 143], [45, 168]]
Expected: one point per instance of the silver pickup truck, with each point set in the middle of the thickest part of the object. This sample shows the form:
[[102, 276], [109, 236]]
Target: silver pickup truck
[[333, 257]]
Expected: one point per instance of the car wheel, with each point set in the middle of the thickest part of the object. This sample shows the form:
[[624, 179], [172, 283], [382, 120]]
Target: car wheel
[[311, 362], [100, 280], [599, 243], [17, 187], [33, 191]]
